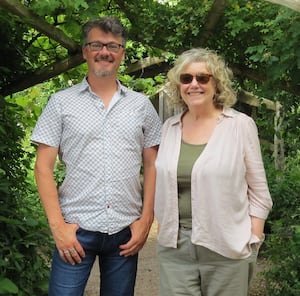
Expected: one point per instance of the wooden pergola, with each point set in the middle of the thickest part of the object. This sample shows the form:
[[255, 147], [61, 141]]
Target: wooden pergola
[[293, 4]]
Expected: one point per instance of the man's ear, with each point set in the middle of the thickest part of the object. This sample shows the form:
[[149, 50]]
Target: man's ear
[[84, 53]]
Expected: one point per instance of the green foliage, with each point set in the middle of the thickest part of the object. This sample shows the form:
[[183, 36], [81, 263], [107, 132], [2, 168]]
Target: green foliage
[[13, 61], [283, 224], [281, 58], [284, 186], [43, 7], [149, 86], [254, 34], [25, 245], [24, 238], [283, 243]]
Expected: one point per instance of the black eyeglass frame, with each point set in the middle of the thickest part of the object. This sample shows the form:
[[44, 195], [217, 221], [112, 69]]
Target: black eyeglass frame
[[186, 78], [107, 45]]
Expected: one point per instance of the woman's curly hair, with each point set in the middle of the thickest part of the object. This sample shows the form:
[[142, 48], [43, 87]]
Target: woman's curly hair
[[225, 95]]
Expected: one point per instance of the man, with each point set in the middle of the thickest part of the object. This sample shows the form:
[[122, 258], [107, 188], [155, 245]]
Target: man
[[102, 132]]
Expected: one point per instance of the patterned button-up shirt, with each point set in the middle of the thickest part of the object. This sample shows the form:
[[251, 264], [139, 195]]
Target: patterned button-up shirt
[[102, 150]]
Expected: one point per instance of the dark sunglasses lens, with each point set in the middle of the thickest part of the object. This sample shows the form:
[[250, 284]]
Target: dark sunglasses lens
[[186, 78], [202, 78]]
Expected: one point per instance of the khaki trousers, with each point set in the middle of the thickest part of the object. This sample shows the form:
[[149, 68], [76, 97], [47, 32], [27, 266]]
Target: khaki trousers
[[194, 270]]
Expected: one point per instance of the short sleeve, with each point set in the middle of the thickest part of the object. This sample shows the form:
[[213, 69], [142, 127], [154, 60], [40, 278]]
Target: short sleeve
[[152, 126], [48, 128]]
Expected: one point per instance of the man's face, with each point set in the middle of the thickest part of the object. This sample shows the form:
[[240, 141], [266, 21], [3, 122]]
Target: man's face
[[103, 62]]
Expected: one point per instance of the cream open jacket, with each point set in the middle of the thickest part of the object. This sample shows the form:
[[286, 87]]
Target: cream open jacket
[[228, 184]]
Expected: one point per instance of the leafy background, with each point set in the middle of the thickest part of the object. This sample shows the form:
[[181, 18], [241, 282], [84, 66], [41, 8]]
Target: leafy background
[[41, 52]]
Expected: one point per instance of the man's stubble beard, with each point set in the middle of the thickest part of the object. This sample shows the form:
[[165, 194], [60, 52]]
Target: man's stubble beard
[[100, 73], [103, 74]]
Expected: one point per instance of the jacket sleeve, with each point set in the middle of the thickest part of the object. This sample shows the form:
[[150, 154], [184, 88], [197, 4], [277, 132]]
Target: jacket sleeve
[[258, 191]]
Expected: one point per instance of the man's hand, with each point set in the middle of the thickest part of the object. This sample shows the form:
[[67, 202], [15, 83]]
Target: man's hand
[[70, 250], [139, 234]]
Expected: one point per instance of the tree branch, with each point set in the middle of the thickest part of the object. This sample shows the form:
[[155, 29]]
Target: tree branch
[[43, 74], [211, 21], [28, 17]]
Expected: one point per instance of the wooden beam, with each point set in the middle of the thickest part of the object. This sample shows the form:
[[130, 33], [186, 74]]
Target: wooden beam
[[144, 63], [292, 4], [43, 74], [250, 99], [28, 17]]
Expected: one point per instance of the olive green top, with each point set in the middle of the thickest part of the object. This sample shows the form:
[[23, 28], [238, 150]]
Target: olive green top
[[188, 155]]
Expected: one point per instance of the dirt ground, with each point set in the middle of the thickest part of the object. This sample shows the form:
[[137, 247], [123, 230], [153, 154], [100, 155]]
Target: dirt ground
[[147, 282]]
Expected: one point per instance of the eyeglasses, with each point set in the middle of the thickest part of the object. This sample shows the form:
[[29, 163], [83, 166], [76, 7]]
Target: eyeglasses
[[188, 78], [111, 46]]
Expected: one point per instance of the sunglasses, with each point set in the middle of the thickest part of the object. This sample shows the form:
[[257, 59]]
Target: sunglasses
[[188, 78]]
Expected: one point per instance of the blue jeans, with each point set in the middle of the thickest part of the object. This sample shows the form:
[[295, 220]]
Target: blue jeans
[[117, 273]]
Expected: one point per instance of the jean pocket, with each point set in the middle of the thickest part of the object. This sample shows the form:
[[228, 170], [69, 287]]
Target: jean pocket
[[123, 236]]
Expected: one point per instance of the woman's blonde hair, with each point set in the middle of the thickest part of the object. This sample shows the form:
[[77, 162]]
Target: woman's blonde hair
[[225, 95]]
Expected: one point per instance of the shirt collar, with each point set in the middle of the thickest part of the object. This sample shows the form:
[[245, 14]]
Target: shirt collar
[[226, 112], [229, 112], [84, 85]]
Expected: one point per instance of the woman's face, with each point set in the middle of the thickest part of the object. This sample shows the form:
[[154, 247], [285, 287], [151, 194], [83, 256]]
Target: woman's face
[[197, 93]]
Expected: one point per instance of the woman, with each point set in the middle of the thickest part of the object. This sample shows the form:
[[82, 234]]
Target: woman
[[212, 196]]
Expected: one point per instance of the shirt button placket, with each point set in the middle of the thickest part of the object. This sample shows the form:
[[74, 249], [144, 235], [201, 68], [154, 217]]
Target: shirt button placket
[[108, 171]]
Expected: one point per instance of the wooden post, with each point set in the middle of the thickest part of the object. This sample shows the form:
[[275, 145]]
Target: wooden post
[[278, 141]]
